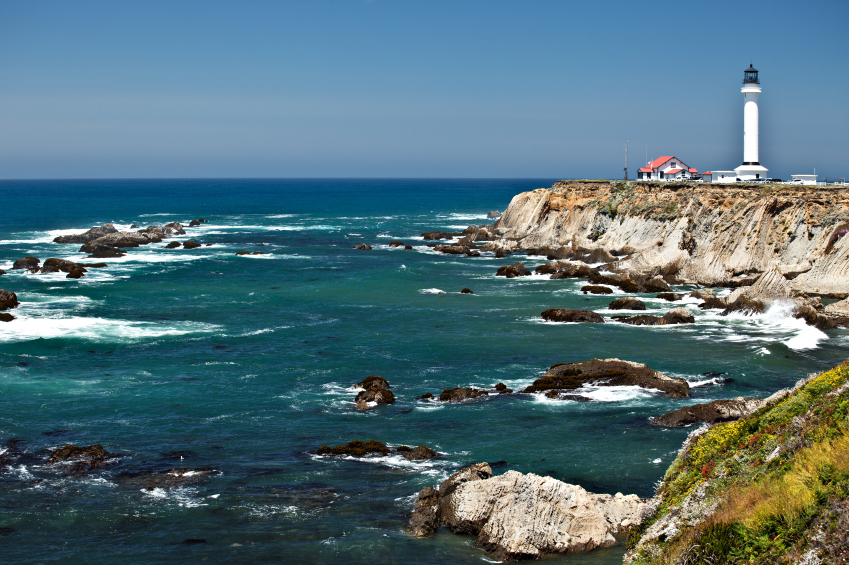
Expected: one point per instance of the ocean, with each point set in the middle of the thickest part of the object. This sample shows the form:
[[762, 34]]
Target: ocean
[[243, 365]]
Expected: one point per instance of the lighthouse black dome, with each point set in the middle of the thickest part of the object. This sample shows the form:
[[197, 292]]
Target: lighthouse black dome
[[750, 75]]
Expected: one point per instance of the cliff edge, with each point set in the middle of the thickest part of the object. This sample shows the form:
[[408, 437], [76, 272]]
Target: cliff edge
[[697, 233]]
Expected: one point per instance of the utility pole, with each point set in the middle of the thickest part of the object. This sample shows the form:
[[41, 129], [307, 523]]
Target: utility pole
[[626, 161]]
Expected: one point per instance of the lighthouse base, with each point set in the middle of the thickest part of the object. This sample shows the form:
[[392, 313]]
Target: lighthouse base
[[748, 172]]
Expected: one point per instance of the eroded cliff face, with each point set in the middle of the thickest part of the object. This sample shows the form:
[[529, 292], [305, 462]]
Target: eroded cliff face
[[706, 234]]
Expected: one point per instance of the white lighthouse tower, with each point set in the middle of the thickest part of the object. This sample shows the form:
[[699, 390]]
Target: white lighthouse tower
[[751, 168]]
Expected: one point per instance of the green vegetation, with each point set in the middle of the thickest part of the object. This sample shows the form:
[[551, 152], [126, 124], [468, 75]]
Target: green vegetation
[[767, 489]]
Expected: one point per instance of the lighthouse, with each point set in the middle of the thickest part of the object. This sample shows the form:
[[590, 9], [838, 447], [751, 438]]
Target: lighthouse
[[751, 168]]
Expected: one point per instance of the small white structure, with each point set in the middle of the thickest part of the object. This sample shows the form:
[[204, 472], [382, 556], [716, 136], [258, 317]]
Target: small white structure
[[751, 168], [804, 179], [666, 168], [720, 176]]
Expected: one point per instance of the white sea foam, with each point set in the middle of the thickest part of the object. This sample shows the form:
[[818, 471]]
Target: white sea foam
[[778, 324], [463, 217], [182, 496], [27, 328], [278, 216], [431, 291]]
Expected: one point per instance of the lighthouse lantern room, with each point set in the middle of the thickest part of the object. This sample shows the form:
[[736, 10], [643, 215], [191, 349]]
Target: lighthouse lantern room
[[751, 168]]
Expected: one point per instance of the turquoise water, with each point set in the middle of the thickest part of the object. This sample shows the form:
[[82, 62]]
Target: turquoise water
[[243, 364]]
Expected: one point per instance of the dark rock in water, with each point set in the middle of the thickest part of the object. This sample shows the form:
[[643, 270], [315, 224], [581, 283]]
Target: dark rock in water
[[6, 317], [473, 253], [396, 244], [99, 251], [712, 412], [362, 246], [134, 226], [54, 265], [426, 396], [745, 305], [502, 388], [194, 223], [425, 518], [4, 531], [627, 303], [88, 458], [669, 296], [176, 244], [500, 254], [185, 454], [813, 318], [438, 235], [373, 380], [674, 316], [567, 270], [90, 235], [407, 247], [678, 316], [466, 291], [191, 244], [8, 300], [376, 394], [556, 394], [243, 252], [74, 274], [493, 214], [193, 541], [712, 374], [596, 289], [355, 448], [26, 263], [450, 249], [565, 315], [657, 284], [461, 394], [420, 453], [641, 320], [514, 270], [608, 372]]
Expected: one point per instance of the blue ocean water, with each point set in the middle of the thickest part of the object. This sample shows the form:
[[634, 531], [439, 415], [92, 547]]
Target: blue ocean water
[[244, 364]]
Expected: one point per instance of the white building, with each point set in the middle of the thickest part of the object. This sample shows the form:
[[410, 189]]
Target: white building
[[666, 168], [720, 176], [751, 168]]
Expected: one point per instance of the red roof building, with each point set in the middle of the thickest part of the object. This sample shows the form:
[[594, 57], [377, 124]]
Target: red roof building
[[666, 168]]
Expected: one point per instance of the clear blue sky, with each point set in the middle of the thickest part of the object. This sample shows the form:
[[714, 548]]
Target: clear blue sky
[[398, 88]]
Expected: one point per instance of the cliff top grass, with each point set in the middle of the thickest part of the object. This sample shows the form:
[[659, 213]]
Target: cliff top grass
[[771, 488]]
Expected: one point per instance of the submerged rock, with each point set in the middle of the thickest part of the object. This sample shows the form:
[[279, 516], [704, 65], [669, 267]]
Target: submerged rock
[[420, 453], [565, 315], [669, 296], [362, 246], [396, 244], [54, 265], [374, 448], [8, 300], [461, 394], [608, 372], [627, 303], [466, 291], [674, 316], [502, 388], [191, 244], [167, 479], [711, 412], [176, 244], [518, 516], [433, 235], [86, 458]]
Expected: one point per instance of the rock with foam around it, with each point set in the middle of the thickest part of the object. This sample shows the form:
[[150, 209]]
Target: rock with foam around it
[[518, 516], [90, 235], [8, 300], [609, 372], [711, 412]]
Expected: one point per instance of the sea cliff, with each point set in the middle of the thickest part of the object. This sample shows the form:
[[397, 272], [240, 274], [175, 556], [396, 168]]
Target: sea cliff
[[698, 233]]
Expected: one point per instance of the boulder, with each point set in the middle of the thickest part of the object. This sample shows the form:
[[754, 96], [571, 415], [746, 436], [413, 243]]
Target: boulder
[[502, 388], [408, 247], [396, 244], [27, 263], [8, 300], [517, 516], [627, 303], [100, 251], [356, 448], [702, 294], [594, 289], [75, 274], [838, 312], [461, 394], [466, 291], [54, 265], [678, 316], [669, 296], [191, 244], [567, 270], [373, 380], [420, 453], [376, 394], [641, 320], [514, 270], [2, 272], [254, 253], [451, 249], [6, 317], [362, 246], [711, 412], [194, 223], [657, 284], [176, 244], [623, 282], [577, 316], [493, 215], [609, 372]]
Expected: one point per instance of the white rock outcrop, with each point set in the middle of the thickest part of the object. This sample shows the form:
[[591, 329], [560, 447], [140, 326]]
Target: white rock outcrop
[[518, 516]]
